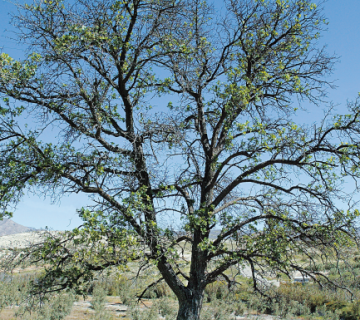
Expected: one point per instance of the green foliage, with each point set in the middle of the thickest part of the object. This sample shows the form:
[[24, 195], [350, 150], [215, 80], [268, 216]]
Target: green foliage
[[160, 290], [287, 301], [98, 304], [217, 310], [166, 307], [352, 311], [227, 151], [15, 293], [13, 289], [57, 308], [123, 287], [310, 295], [216, 290], [148, 314]]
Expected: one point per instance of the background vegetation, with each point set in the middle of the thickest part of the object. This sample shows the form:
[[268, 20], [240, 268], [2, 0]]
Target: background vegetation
[[287, 301]]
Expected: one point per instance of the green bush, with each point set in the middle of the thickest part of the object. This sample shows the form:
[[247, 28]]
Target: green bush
[[239, 307], [167, 308], [148, 314], [120, 286], [216, 290], [57, 307], [13, 289], [158, 291], [351, 311], [308, 294], [98, 303], [116, 284], [217, 310]]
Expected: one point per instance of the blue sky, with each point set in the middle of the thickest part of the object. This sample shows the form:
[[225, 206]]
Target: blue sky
[[342, 39]]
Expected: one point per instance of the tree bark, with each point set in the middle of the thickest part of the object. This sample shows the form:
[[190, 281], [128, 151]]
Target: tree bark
[[189, 309]]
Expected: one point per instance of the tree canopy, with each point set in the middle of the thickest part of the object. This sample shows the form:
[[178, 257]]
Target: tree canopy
[[167, 108]]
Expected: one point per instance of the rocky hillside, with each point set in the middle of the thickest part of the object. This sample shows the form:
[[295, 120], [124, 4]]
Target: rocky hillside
[[8, 226]]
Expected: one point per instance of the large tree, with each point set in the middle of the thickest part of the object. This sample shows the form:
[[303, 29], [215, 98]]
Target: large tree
[[163, 108]]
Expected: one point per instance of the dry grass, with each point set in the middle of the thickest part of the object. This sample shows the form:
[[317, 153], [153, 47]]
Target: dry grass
[[7, 314]]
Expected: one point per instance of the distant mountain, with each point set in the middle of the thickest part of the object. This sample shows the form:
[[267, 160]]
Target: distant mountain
[[8, 226]]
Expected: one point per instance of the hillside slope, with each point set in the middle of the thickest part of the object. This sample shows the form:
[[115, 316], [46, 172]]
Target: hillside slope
[[8, 227]]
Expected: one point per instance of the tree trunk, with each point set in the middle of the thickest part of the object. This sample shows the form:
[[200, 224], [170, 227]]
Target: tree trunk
[[189, 309]]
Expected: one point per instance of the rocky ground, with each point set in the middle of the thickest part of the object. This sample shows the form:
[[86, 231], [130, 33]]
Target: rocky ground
[[20, 240]]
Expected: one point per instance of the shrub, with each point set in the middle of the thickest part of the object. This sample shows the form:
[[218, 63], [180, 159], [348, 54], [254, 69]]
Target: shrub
[[13, 289], [160, 290], [120, 286], [216, 290], [166, 308], [98, 304], [352, 311], [217, 310], [116, 284], [239, 307], [148, 314], [57, 308], [308, 294]]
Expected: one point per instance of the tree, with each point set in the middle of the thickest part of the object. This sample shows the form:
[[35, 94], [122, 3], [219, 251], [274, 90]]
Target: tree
[[175, 107]]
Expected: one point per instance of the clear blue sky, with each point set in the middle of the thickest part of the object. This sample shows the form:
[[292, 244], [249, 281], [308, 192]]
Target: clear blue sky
[[342, 38]]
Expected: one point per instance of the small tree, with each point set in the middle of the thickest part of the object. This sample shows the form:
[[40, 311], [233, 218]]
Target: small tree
[[165, 107]]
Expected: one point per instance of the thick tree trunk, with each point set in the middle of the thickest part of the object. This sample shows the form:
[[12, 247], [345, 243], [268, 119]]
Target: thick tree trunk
[[189, 309]]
